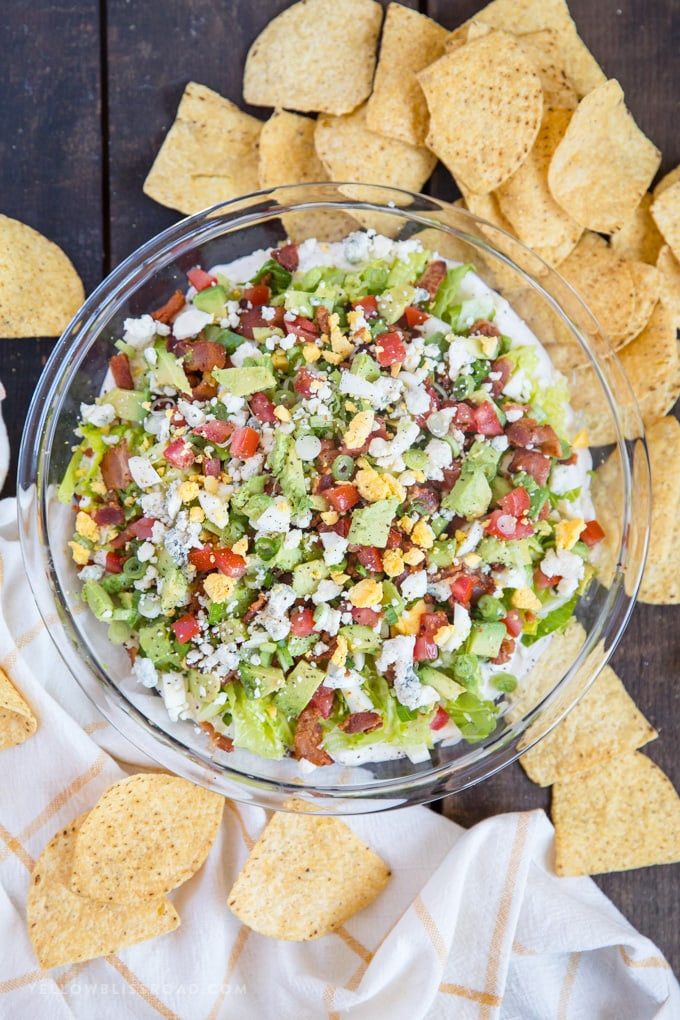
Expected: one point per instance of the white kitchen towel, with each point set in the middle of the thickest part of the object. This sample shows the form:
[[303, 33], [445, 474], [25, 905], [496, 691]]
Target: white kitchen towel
[[473, 924]]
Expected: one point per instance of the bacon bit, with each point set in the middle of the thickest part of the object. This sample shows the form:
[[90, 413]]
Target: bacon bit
[[432, 278], [121, 372], [287, 256], [361, 722], [204, 355], [323, 318], [115, 466], [167, 312], [308, 736], [528, 434], [206, 389], [218, 739], [254, 608], [506, 651], [533, 463], [482, 327], [112, 513]]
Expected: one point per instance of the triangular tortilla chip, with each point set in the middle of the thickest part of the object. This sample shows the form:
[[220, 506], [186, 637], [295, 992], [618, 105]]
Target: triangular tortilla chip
[[26, 309], [315, 56], [639, 237], [660, 583], [209, 154], [17, 722], [66, 928], [604, 723], [543, 49], [623, 813], [605, 282], [666, 213], [305, 876]]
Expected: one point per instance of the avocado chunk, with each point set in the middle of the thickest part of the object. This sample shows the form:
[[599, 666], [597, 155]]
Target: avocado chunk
[[241, 382], [486, 639], [371, 524], [257, 681], [360, 638], [470, 496], [298, 689], [128, 404], [155, 643], [286, 465], [484, 457], [445, 687], [169, 372], [211, 300], [306, 576], [173, 590]]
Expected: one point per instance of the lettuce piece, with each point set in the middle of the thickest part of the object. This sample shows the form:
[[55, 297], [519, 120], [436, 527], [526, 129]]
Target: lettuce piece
[[474, 717], [258, 727], [447, 304], [400, 733], [554, 621], [83, 468]]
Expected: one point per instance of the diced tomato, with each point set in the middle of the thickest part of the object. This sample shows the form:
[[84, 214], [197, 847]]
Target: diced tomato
[[513, 622], [209, 557], [369, 305], [504, 525], [414, 316], [464, 418], [199, 279], [394, 538], [342, 527], [263, 409], [542, 581], [114, 563], [303, 382], [302, 622], [370, 556], [212, 467], [592, 534], [516, 502], [389, 349], [441, 717], [186, 628], [303, 328], [365, 616], [179, 453], [424, 650], [486, 420], [430, 623], [462, 588], [244, 442], [258, 295], [322, 699], [142, 527], [216, 431], [342, 497]]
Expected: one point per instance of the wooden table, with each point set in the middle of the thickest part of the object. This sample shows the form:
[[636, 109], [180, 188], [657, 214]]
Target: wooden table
[[88, 90]]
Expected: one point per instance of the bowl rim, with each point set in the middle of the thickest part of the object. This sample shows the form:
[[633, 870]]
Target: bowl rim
[[500, 749]]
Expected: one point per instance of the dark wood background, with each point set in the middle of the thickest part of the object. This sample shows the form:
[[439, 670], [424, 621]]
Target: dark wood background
[[88, 89]]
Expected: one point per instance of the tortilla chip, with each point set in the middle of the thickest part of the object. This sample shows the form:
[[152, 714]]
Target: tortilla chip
[[315, 56], [210, 154], [604, 164], [659, 585], [605, 282], [145, 836], [288, 156], [639, 237], [522, 16], [672, 177], [24, 310], [543, 49], [623, 813], [666, 213], [66, 928], [651, 363], [647, 286], [525, 198], [350, 152], [545, 674], [397, 106], [17, 722], [604, 723], [669, 267], [483, 135], [305, 876]]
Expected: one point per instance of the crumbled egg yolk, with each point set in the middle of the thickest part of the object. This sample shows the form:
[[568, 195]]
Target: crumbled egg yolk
[[409, 622], [339, 656], [366, 593], [219, 587], [240, 547], [423, 535], [188, 491], [567, 533], [373, 486], [393, 562], [86, 527], [413, 557], [581, 440], [282, 413], [358, 430], [524, 598], [196, 515], [80, 554], [311, 353]]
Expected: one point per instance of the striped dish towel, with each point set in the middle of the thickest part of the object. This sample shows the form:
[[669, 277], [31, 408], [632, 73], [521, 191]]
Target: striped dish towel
[[473, 924]]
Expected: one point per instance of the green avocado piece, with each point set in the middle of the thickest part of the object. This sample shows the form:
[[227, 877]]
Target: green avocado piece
[[128, 404], [298, 689], [360, 638], [484, 457], [169, 372], [306, 576], [486, 639], [445, 687], [257, 681], [211, 300], [371, 524], [241, 382], [470, 496]]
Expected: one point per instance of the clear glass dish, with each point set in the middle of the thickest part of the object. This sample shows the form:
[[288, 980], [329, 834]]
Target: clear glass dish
[[75, 371]]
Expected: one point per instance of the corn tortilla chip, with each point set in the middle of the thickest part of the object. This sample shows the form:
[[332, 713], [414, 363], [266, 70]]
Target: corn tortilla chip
[[623, 813], [66, 928], [543, 49], [659, 585], [483, 135], [209, 155], [604, 723], [17, 722], [288, 156], [522, 16], [351, 152], [604, 163], [525, 198], [666, 213], [305, 876], [145, 836], [543, 676], [647, 285], [669, 267], [315, 56], [605, 282], [26, 311], [639, 237], [672, 177], [397, 106]]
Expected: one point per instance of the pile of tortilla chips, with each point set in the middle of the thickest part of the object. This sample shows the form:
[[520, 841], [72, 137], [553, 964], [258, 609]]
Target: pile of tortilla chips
[[101, 883], [305, 876]]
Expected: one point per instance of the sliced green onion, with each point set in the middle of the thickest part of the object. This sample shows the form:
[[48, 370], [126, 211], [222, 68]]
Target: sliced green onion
[[134, 568], [342, 468]]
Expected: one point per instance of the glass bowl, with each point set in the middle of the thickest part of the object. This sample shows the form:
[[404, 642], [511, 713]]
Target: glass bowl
[[75, 371]]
